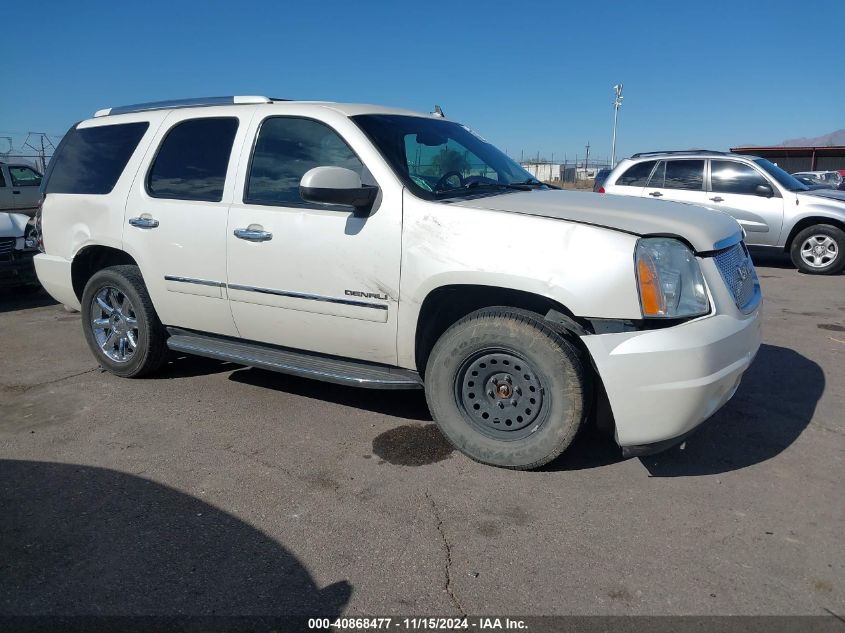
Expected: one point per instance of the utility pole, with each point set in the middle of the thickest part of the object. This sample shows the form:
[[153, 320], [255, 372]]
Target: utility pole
[[586, 160], [40, 147], [617, 103]]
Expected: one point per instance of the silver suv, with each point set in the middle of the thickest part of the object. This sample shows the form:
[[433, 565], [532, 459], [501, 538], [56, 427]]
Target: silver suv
[[775, 209]]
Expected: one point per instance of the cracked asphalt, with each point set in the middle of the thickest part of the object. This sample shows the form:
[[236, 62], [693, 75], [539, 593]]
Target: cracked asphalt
[[217, 489]]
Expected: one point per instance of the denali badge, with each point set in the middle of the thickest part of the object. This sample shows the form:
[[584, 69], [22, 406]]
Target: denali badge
[[368, 295]]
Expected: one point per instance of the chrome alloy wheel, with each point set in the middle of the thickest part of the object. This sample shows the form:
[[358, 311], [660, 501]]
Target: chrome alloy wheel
[[114, 324], [819, 251]]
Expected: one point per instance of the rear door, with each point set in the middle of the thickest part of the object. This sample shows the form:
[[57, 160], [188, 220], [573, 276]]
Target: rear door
[[25, 188], [175, 219], [679, 179], [733, 188]]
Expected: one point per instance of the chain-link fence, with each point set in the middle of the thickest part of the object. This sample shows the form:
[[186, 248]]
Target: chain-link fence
[[576, 172]]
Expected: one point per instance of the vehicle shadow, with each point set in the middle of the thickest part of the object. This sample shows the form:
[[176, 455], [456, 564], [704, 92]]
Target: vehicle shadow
[[24, 298], [188, 366], [770, 257], [79, 540], [408, 404], [774, 404]]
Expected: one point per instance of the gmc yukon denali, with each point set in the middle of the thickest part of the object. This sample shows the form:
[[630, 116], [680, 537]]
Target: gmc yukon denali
[[389, 249]]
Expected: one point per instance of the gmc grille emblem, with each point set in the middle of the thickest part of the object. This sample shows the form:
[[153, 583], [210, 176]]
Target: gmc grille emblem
[[742, 271]]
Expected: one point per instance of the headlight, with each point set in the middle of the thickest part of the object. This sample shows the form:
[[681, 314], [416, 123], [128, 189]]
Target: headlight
[[669, 279], [30, 241]]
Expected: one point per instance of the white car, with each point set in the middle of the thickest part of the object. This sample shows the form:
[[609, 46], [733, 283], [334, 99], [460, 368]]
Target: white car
[[830, 178], [776, 210], [19, 189], [18, 245], [389, 249]]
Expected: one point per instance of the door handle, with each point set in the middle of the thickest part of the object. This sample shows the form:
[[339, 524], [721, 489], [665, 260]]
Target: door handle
[[144, 222], [717, 199], [656, 194], [253, 235], [16, 191]]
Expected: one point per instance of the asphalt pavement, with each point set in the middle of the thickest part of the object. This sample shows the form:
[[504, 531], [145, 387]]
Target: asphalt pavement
[[215, 489]]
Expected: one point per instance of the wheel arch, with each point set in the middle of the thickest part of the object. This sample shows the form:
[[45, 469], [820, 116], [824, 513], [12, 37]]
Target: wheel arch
[[90, 259], [445, 305], [809, 221]]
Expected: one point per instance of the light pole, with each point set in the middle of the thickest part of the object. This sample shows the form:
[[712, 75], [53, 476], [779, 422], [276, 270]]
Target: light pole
[[617, 102]]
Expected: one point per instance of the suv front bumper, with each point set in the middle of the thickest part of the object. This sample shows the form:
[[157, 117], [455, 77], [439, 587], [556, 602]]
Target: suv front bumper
[[661, 384]]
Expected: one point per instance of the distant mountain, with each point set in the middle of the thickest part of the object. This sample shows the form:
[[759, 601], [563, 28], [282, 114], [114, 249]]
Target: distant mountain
[[825, 140], [834, 138]]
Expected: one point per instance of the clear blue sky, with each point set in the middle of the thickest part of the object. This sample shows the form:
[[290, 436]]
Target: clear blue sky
[[532, 77]]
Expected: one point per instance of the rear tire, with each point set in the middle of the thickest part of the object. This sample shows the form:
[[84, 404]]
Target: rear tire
[[818, 250], [506, 389], [120, 324]]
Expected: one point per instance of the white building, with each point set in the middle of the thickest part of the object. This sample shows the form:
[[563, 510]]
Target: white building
[[545, 171]]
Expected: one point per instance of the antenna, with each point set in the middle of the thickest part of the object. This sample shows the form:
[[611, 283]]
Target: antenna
[[438, 112]]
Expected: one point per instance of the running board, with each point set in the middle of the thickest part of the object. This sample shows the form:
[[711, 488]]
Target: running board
[[297, 363]]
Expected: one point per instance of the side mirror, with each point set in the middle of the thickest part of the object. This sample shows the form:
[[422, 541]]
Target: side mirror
[[337, 185], [764, 190]]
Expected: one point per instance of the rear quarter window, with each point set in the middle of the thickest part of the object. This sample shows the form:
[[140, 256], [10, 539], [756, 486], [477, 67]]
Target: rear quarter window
[[90, 160], [636, 175]]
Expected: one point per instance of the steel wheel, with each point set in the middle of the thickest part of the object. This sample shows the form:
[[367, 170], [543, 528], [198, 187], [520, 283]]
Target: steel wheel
[[818, 251], [114, 324], [500, 394]]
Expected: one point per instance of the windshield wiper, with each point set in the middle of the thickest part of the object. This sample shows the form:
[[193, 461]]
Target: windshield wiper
[[519, 186], [475, 184]]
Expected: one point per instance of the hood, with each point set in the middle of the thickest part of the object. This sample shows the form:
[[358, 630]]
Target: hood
[[13, 224], [830, 194], [705, 229]]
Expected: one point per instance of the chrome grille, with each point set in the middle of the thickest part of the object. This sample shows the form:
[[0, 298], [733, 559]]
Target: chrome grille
[[736, 269], [7, 245]]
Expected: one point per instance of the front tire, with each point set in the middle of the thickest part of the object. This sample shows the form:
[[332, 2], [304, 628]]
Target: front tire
[[506, 389], [817, 250], [120, 324]]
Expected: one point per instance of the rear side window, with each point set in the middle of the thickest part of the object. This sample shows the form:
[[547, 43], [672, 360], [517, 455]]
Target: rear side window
[[731, 177], [90, 160], [192, 161], [684, 174], [636, 175]]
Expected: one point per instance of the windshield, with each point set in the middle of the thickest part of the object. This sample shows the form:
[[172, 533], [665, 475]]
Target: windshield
[[439, 159], [788, 181]]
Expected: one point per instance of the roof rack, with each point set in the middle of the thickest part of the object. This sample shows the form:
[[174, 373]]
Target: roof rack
[[680, 151], [182, 103]]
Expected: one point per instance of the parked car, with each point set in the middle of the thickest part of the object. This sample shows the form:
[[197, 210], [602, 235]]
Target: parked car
[[357, 244], [18, 245], [601, 175], [19, 188], [776, 210]]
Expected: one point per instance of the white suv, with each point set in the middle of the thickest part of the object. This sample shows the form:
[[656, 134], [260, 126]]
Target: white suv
[[776, 210], [388, 249]]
